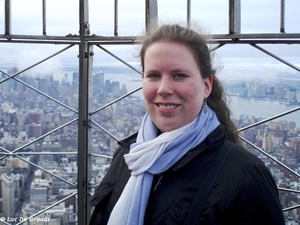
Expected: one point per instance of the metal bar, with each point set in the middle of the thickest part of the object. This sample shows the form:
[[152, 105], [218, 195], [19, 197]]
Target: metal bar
[[75, 39], [42, 37], [116, 18], [188, 13], [114, 101], [269, 119], [240, 41], [282, 16], [119, 59], [44, 17], [47, 208], [89, 133], [270, 157], [40, 92], [257, 36], [234, 16], [37, 139], [291, 208], [7, 17], [134, 41], [110, 41], [43, 60], [151, 14], [38, 153], [276, 57], [106, 131], [288, 190], [83, 119], [103, 156], [218, 46]]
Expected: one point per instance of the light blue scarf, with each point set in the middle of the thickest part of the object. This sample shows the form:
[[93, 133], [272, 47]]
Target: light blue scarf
[[153, 154]]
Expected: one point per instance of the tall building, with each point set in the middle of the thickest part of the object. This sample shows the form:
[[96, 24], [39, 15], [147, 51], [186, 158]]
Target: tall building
[[98, 86], [44, 84], [75, 79], [8, 194], [267, 141], [98, 80]]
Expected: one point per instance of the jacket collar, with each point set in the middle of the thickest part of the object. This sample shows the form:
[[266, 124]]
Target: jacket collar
[[213, 142]]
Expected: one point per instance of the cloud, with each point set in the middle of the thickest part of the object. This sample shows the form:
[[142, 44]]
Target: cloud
[[25, 56], [63, 18]]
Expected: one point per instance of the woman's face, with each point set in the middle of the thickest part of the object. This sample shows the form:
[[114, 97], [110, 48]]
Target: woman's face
[[173, 87]]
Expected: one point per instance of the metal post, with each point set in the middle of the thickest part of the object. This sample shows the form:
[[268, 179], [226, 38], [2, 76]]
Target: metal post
[[83, 117], [151, 14], [188, 13], [7, 17], [116, 18], [234, 16], [282, 16], [44, 17]]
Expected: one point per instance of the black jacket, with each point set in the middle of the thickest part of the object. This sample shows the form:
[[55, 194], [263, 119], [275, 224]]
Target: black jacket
[[244, 192]]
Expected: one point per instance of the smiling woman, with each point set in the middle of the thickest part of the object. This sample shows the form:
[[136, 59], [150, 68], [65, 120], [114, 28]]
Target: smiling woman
[[185, 165]]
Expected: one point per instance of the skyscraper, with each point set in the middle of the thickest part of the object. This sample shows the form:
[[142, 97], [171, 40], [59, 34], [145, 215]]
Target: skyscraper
[[8, 194]]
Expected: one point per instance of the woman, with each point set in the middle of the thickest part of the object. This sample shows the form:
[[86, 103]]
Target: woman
[[159, 176]]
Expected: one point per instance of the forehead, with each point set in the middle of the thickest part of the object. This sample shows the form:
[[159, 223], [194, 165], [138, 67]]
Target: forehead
[[169, 51]]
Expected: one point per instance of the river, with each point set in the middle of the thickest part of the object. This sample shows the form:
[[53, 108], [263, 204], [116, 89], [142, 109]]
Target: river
[[262, 108]]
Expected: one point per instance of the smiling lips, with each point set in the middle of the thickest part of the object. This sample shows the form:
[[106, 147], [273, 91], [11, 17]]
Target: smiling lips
[[167, 106]]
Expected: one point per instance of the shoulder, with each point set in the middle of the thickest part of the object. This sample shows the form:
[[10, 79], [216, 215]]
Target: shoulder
[[244, 175], [246, 167], [254, 186], [245, 162], [252, 178], [248, 190], [242, 157]]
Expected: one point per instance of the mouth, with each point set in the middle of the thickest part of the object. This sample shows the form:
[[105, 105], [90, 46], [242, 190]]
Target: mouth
[[167, 106]]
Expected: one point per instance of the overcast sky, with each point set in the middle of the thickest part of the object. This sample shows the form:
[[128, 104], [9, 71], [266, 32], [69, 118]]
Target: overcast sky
[[258, 16]]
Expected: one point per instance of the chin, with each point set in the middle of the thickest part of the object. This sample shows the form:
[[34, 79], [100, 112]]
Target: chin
[[167, 124], [167, 128]]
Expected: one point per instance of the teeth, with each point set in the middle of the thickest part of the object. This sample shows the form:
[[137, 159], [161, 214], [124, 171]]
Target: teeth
[[167, 106]]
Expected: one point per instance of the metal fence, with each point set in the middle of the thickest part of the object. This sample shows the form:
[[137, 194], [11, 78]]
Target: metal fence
[[86, 116]]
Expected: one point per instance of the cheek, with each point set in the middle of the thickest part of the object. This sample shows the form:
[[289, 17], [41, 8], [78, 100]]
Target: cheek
[[194, 94], [148, 91]]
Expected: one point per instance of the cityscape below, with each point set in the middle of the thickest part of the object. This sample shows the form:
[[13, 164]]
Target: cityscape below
[[40, 131]]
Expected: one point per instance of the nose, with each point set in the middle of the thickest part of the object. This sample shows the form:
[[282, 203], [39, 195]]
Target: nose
[[165, 87]]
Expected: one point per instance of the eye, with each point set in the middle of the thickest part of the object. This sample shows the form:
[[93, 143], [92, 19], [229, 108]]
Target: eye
[[152, 75], [180, 75]]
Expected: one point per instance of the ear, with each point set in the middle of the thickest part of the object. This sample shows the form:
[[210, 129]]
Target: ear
[[208, 83]]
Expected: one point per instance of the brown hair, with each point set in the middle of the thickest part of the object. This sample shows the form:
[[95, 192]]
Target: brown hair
[[197, 43]]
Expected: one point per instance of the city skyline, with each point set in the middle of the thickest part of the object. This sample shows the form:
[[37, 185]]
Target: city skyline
[[36, 116], [44, 131], [232, 58]]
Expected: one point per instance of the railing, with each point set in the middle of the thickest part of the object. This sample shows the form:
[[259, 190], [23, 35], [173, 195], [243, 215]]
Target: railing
[[85, 115]]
